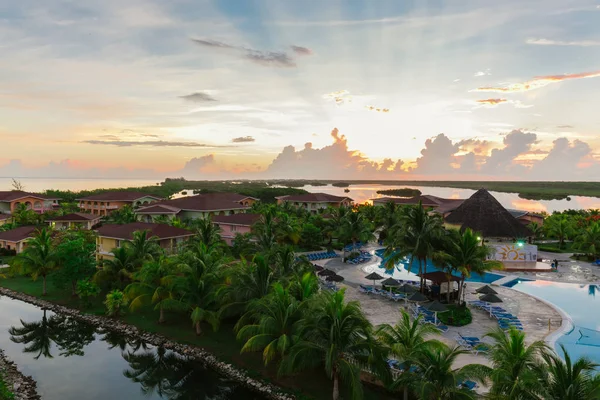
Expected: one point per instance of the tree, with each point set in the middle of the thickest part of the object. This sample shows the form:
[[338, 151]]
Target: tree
[[355, 228], [304, 287], [388, 217], [565, 380], [115, 303], [243, 245], [515, 365], [536, 229], [206, 232], [274, 324], [202, 268], [23, 216], [85, 290], [39, 257], [466, 254], [75, 256], [418, 235], [589, 240], [157, 283], [286, 263], [311, 236], [438, 379], [337, 336], [37, 336], [143, 248], [405, 341], [559, 226], [116, 272], [124, 215], [17, 185]]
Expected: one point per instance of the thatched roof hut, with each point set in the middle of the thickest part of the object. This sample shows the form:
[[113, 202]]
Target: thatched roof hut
[[484, 214]]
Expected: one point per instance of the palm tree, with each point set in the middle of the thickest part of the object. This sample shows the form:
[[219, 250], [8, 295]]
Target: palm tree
[[336, 336], [274, 324], [115, 302], [39, 257], [589, 240], [246, 282], [405, 341], [388, 216], [305, 286], [37, 336], [116, 272], [417, 235], [438, 379], [467, 255], [202, 268], [143, 248], [355, 227], [565, 380], [536, 229], [560, 227], [158, 283], [265, 230], [337, 215], [124, 215], [515, 365], [286, 263], [206, 232]]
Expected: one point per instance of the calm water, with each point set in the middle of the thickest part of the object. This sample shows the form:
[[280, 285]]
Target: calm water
[[407, 272], [362, 193], [71, 360], [582, 304]]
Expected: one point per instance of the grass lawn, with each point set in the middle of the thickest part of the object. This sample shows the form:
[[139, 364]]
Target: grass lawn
[[223, 344], [5, 394]]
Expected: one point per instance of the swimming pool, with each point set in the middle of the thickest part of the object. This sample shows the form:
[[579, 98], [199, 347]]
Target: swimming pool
[[405, 271], [582, 305]]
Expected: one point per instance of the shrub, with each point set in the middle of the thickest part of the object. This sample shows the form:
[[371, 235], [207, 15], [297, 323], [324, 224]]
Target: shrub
[[115, 303], [456, 316], [5, 394], [85, 291]]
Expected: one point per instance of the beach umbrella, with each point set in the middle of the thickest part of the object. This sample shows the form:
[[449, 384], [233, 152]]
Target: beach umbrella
[[318, 267], [490, 298], [436, 307], [418, 297], [326, 272], [486, 290], [406, 288], [374, 276], [390, 282], [334, 278]]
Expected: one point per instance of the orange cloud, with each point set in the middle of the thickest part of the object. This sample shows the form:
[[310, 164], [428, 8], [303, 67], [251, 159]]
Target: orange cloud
[[537, 82], [491, 102], [377, 109]]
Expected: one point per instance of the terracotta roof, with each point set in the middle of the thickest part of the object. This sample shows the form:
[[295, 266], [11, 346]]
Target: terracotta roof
[[439, 277], [13, 195], [448, 206], [484, 214], [119, 195], [517, 213], [125, 231], [75, 217], [204, 202], [158, 209], [314, 198], [18, 234], [236, 219]]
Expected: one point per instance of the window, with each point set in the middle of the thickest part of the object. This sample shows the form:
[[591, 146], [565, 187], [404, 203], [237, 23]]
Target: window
[[118, 243], [233, 228]]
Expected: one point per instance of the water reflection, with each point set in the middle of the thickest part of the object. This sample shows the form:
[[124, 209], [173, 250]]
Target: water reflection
[[157, 373]]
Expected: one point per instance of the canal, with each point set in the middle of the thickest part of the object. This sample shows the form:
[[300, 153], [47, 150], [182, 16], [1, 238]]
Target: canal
[[70, 359]]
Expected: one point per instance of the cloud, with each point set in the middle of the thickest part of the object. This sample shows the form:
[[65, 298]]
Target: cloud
[[565, 160], [198, 97], [476, 146], [437, 155], [339, 97], [243, 139], [377, 109], [565, 126], [109, 137], [537, 82], [154, 143], [502, 161], [491, 102], [302, 51], [549, 42], [482, 73], [266, 58]]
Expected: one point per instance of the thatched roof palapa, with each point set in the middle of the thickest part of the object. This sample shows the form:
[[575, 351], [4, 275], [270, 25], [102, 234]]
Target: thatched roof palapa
[[484, 214]]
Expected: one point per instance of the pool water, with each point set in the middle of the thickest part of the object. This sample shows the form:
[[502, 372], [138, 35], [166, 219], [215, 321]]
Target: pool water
[[582, 304], [405, 271]]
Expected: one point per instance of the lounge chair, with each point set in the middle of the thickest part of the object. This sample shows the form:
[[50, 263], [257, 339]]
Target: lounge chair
[[468, 385]]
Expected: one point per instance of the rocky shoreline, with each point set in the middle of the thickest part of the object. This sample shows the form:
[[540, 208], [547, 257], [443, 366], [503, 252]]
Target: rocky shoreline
[[210, 361], [24, 387]]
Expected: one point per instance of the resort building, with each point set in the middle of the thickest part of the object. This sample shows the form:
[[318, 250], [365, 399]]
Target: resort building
[[114, 236], [104, 203], [16, 239], [231, 225], [11, 200], [204, 205], [501, 231], [74, 221], [314, 202]]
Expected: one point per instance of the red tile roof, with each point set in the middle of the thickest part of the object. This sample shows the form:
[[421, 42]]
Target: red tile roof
[[18, 234], [426, 200], [126, 231], [122, 195], [75, 217], [236, 219], [205, 202], [158, 209], [314, 198], [12, 195]]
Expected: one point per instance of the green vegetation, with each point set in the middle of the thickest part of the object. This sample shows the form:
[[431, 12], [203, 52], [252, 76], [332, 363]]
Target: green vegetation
[[404, 192], [341, 184], [456, 316], [5, 393]]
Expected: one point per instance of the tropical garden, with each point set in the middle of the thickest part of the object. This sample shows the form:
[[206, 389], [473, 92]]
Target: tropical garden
[[259, 305]]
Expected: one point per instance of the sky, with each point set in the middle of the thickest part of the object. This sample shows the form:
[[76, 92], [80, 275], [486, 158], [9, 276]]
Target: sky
[[337, 89]]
